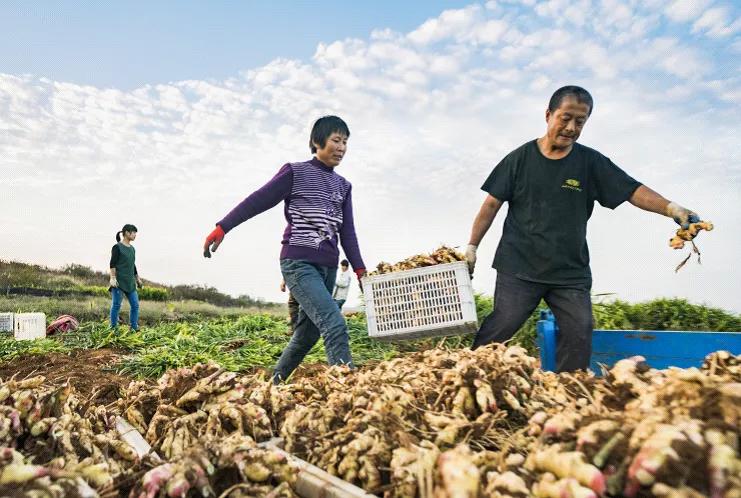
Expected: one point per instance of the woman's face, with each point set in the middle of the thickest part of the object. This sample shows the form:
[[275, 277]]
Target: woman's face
[[333, 151], [130, 235]]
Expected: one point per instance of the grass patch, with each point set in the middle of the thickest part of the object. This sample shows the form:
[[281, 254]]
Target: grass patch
[[95, 308], [11, 349], [240, 344], [182, 334], [18, 278]]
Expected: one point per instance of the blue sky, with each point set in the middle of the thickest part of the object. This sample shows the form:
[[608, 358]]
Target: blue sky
[[129, 44], [166, 116]]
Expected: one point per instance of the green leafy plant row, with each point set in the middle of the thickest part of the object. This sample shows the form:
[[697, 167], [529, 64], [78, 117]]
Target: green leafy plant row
[[256, 340], [250, 341], [657, 314]]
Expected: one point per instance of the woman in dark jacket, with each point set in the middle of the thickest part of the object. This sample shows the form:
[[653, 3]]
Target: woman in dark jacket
[[124, 277]]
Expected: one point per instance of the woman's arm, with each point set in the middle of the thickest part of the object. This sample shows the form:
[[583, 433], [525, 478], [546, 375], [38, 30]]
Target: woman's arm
[[115, 255], [270, 194], [266, 197], [348, 238]]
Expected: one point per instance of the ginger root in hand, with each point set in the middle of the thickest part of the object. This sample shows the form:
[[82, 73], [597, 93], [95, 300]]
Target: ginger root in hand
[[686, 235]]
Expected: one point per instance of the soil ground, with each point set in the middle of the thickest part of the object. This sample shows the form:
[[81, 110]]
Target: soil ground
[[90, 371]]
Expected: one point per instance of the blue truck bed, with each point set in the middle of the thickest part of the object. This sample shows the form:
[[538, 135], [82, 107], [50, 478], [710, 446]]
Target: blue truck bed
[[661, 349]]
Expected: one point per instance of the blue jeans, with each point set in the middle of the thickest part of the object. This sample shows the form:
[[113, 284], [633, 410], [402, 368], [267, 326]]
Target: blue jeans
[[318, 315], [515, 300], [133, 298]]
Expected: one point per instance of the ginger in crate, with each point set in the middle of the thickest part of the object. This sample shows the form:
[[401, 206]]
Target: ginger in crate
[[441, 255]]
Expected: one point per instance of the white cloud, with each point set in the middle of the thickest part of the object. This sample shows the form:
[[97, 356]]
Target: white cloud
[[450, 23], [616, 12], [489, 32], [666, 54], [565, 11], [716, 23], [685, 10], [431, 112]]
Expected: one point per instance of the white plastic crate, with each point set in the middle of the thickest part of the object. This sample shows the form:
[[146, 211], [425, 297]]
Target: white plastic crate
[[6, 322], [432, 301], [29, 326]]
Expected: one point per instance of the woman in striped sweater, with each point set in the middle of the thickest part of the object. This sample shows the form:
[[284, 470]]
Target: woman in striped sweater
[[318, 208]]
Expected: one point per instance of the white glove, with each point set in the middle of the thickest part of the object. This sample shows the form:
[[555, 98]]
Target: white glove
[[471, 257], [113, 282], [681, 215]]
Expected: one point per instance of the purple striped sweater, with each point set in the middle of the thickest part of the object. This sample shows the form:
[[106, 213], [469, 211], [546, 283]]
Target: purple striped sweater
[[318, 209]]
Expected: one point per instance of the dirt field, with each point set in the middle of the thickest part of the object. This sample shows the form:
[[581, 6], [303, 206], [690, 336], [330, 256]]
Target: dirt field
[[89, 371]]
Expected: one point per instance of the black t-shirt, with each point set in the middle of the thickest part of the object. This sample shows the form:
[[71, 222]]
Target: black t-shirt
[[550, 200]]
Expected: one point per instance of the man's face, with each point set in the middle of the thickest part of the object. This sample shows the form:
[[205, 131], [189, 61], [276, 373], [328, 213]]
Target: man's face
[[333, 151], [566, 122]]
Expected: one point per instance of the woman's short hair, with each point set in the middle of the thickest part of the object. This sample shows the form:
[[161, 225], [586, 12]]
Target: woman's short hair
[[323, 128]]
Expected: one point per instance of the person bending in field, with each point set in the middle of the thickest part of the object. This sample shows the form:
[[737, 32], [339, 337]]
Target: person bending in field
[[318, 208], [124, 276]]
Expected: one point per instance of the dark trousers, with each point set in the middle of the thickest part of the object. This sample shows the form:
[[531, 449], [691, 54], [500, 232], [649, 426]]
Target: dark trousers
[[515, 300]]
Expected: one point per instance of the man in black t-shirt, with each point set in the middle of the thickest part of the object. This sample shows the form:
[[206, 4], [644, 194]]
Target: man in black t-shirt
[[551, 185]]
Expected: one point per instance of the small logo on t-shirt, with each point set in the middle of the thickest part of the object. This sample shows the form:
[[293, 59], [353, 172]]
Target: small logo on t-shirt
[[572, 184]]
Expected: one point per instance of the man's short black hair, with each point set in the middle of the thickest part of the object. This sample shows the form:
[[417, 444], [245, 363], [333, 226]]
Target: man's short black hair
[[323, 128], [581, 95], [344, 262]]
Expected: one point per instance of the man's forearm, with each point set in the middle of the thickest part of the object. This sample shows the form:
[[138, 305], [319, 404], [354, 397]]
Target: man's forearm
[[484, 219], [648, 200]]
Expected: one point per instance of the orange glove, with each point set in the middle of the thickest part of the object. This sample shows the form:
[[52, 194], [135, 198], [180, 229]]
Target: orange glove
[[213, 241]]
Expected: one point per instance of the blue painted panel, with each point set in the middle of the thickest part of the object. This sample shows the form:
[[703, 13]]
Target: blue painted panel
[[661, 349], [546, 328]]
